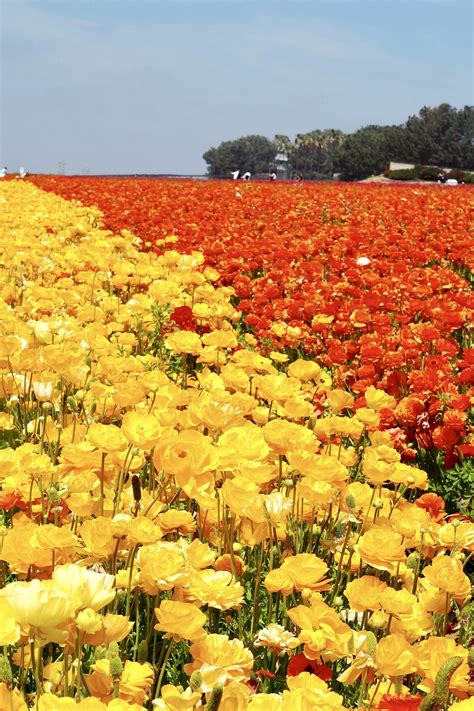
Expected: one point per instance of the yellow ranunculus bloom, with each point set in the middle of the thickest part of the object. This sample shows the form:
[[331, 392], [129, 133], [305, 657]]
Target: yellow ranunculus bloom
[[382, 548], [446, 573], [394, 656], [216, 650], [141, 430], [364, 593], [184, 342], [180, 620]]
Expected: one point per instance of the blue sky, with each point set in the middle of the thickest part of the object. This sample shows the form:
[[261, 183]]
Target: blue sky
[[133, 86]]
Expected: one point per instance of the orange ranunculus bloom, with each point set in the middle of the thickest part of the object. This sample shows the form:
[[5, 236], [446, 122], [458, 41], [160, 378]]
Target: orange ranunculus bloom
[[432, 503]]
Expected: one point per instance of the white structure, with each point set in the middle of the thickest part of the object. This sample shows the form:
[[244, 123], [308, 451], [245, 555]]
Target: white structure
[[281, 164], [3, 172], [22, 173]]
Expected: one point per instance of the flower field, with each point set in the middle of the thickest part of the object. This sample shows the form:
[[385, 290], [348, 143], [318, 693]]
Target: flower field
[[235, 446]]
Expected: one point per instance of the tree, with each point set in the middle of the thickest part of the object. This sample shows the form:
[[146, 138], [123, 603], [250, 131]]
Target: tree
[[253, 153], [363, 153], [441, 136]]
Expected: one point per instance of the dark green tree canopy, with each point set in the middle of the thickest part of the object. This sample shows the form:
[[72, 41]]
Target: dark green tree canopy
[[442, 136], [255, 154]]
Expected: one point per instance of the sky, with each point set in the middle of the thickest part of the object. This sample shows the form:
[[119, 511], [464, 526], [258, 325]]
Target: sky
[[147, 86]]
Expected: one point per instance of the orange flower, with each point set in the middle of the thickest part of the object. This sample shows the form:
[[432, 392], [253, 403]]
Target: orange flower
[[432, 503]]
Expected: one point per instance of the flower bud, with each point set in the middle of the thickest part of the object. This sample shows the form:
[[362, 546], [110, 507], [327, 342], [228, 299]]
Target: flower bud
[[112, 650], [350, 502], [116, 667], [142, 652], [412, 560], [216, 697], [195, 680], [136, 488], [6, 676], [371, 643]]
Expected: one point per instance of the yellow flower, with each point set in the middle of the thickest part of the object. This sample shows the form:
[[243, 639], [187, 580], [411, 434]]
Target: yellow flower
[[364, 593], [265, 702], [7, 422], [107, 438], [216, 588], [175, 699], [431, 654], [142, 530], [162, 567], [141, 430], [378, 399], [446, 573], [180, 620], [9, 628], [134, 683], [98, 537], [382, 548], [93, 590], [279, 580], [340, 400], [307, 571], [276, 638], [217, 651], [174, 520], [242, 443], [304, 370], [235, 697], [186, 454], [41, 606], [369, 417], [394, 656], [89, 621], [184, 342], [397, 602], [322, 630]]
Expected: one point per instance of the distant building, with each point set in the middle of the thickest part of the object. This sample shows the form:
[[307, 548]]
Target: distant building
[[281, 166], [400, 166]]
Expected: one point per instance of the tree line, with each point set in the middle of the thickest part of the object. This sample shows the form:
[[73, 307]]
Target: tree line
[[441, 136]]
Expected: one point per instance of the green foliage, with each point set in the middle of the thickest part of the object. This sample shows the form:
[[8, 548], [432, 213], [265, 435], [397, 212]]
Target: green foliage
[[456, 486], [249, 153], [313, 154], [364, 153], [441, 136]]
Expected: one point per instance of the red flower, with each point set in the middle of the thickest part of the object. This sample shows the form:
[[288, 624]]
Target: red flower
[[399, 703], [299, 663], [432, 503], [183, 318], [10, 501]]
